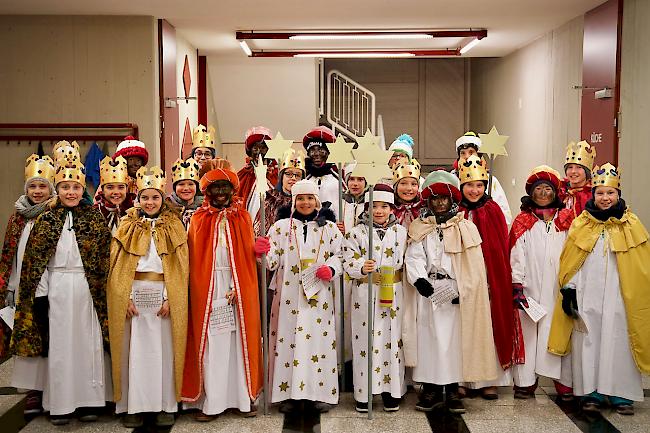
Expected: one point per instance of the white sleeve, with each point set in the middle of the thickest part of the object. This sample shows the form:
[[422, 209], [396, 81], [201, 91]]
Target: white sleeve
[[499, 196], [353, 260], [43, 287], [518, 261], [273, 256], [416, 262]]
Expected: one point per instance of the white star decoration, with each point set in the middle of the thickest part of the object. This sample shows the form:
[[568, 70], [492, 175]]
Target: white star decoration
[[493, 144], [261, 185], [372, 160], [277, 147], [340, 151]]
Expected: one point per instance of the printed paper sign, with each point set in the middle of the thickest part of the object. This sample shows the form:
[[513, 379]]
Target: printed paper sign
[[222, 317], [7, 315], [147, 299], [535, 311]]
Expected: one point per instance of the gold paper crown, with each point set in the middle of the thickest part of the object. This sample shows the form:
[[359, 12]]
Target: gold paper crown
[[36, 166], [153, 178], [606, 175], [113, 171], [65, 153], [471, 169], [185, 170], [406, 169], [581, 153], [203, 137], [293, 159], [73, 171]]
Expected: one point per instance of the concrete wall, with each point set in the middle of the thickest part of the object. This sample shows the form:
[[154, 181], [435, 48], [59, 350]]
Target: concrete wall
[[528, 95], [634, 144], [280, 94]]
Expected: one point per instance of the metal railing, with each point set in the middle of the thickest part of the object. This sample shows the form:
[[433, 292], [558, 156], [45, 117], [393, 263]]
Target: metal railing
[[350, 106]]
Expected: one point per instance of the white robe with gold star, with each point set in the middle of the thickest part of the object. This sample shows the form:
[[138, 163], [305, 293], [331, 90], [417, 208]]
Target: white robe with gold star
[[387, 354], [303, 357]]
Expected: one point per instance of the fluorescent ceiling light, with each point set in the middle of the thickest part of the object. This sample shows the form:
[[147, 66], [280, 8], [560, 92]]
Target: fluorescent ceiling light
[[355, 55], [244, 46], [469, 46], [334, 36]]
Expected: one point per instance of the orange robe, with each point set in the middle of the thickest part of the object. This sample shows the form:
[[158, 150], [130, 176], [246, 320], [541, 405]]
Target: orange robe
[[202, 238]]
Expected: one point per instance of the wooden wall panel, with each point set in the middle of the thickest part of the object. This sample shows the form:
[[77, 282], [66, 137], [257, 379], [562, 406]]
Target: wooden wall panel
[[444, 110]]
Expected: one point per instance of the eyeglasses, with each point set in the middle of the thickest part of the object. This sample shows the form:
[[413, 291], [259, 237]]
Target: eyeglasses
[[205, 155], [293, 175]]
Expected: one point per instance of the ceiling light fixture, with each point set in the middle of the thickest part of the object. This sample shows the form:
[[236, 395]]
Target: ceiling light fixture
[[356, 37], [244, 46], [334, 55], [469, 46]]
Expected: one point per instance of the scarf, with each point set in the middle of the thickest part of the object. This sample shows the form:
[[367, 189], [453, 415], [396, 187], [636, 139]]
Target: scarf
[[425, 212], [323, 170], [30, 211], [379, 229], [615, 211], [111, 212], [406, 213]]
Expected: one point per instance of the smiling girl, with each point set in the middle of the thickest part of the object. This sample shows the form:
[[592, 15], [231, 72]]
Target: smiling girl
[[114, 199]]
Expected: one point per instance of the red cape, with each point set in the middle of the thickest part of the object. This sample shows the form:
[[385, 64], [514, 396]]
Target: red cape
[[247, 179], [202, 238], [506, 326], [526, 220]]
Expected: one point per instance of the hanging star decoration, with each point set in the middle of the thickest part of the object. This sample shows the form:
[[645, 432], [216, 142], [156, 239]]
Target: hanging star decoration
[[261, 185], [493, 144], [340, 151], [372, 160], [277, 147]]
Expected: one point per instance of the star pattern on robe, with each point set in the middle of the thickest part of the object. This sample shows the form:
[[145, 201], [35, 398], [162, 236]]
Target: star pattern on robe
[[363, 354], [333, 391], [302, 385], [387, 345], [356, 305], [389, 252], [377, 370], [287, 365], [308, 336], [363, 252], [284, 386], [314, 359], [325, 306], [295, 269], [393, 313], [384, 314], [313, 302], [386, 378], [296, 363]]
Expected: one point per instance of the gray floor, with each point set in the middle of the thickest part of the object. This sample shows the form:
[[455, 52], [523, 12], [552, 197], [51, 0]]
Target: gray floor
[[506, 414]]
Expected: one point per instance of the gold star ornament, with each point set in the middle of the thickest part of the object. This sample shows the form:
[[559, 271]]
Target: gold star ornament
[[340, 151], [277, 147], [493, 144], [372, 160], [261, 185]]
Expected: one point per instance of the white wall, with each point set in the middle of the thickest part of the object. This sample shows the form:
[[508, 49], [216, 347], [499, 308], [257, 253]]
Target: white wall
[[528, 95], [634, 144], [280, 94], [186, 109]]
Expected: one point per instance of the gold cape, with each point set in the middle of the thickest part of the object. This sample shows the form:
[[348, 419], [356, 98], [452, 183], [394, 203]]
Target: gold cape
[[130, 242], [462, 241], [628, 239]]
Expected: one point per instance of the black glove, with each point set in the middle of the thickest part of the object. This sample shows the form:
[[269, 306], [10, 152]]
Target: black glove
[[455, 301], [41, 311], [424, 287], [518, 298], [569, 301]]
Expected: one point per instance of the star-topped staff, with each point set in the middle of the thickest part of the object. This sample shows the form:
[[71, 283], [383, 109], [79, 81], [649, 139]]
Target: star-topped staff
[[277, 147], [372, 164], [341, 153], [261, 186], [493, 144]]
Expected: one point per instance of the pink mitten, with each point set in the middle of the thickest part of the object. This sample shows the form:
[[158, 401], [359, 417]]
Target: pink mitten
[[262, 246], [324, 272]]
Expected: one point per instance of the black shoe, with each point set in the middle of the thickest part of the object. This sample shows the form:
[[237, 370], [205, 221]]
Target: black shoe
[[391, 404], [455, 404], [322, 407], [290, 406], [429, 401], [361, 407], [88, 414]]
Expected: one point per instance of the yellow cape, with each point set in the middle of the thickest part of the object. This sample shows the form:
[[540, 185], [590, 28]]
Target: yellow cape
[[130, 242], [628, 239]]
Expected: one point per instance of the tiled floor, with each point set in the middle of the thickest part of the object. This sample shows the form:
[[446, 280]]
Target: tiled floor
[[506, 414]]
